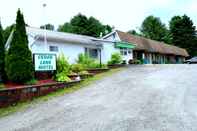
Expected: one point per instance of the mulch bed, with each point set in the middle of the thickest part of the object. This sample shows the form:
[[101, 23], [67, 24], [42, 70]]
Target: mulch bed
[[116, 66], [97, 70], [10, 85]]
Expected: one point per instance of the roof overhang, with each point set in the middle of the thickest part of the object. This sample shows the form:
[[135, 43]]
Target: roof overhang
[[122, 44]]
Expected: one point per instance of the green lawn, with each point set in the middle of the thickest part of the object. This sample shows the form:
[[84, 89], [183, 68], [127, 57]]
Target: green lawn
[[24, 105]]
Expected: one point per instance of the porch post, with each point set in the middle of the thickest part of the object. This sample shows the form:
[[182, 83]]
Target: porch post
[[100, 58], [150, 56], [143, 57]]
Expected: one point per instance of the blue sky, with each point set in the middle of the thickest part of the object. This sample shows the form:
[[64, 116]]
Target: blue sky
[[123, 14]]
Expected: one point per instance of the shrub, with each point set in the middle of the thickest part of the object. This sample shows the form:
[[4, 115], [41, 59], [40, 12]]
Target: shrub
[[83, 73], [72, 73], [2, 86], [85, 60], [31, 82], [18, 64], [131, 61], [89, 63], [116, 58], [137, 61], [61, 77], [96, 64], [124, 62], [63, 69], [2, 56], [62, 64], [76, 68]]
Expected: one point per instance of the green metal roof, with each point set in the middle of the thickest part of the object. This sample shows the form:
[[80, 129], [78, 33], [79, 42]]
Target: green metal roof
[[122, 44]]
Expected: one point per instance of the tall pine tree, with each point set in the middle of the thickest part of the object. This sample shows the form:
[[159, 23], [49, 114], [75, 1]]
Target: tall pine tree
[[2, 56], [19, 65], [183, 33]]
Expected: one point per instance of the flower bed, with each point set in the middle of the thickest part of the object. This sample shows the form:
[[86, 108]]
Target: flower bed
[[10, 85]]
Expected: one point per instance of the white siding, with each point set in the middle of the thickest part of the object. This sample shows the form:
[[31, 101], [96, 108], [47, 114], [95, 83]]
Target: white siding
[[107, 51], [109, 48], [71, 51], [113, 37]]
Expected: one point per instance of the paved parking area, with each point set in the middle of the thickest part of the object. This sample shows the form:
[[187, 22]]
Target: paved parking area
[[139, 98]]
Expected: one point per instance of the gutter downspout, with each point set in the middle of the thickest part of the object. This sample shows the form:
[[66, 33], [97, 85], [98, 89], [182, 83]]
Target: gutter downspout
[[7, 45], [33, 42]]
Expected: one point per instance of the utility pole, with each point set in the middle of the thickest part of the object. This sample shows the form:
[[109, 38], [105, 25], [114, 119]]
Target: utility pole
[[45, 32]]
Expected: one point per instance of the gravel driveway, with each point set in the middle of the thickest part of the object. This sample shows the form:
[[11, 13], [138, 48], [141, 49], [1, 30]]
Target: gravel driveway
[[140, 98]]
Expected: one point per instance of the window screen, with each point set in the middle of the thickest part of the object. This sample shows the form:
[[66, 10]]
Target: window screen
[[53, 48]]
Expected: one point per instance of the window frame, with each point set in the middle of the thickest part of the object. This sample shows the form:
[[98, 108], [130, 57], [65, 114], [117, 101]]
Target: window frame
[[89, 53]]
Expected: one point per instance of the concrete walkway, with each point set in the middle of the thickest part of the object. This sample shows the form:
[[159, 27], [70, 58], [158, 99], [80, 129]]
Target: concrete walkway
[[140, 98]]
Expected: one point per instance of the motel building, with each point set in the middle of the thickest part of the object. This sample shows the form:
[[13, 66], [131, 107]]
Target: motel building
[[129, 46], [149, 51]]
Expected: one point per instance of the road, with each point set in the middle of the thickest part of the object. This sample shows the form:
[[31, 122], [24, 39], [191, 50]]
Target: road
[[139, 98]]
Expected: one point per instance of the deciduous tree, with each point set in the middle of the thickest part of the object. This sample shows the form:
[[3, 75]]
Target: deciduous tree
[[134, 32], [48, 27], [153, 28], [80, 24]]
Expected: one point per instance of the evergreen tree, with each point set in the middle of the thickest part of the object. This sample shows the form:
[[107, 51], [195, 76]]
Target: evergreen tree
[[183, 33], [2, 56], [19, 65], [7, 31]]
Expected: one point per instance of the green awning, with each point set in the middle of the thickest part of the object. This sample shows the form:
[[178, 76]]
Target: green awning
[[124, 45]]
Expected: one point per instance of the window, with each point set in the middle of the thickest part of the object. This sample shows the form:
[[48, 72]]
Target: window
[[93, 53], [129, 51], [123, 51], [86, 50], [53, 48]]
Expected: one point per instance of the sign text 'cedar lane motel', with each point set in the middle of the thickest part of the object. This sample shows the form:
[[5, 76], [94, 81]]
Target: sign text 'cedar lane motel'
[[45, 62]]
